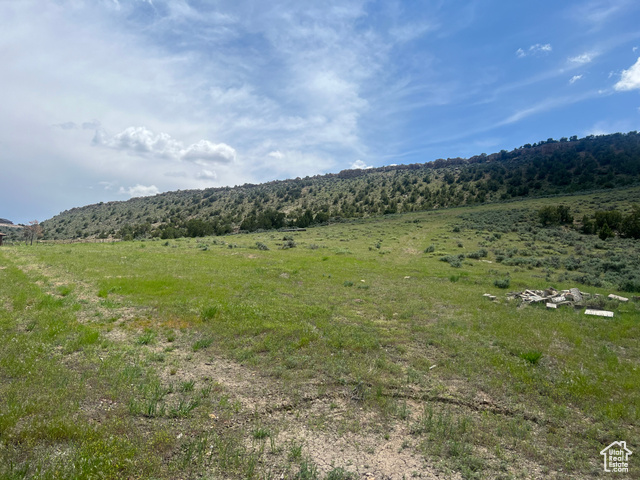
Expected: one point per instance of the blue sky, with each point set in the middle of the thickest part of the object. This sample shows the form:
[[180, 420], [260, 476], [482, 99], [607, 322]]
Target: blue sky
[[104, 100]]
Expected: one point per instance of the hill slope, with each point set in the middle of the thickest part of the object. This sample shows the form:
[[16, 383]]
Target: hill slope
[[546, 168]]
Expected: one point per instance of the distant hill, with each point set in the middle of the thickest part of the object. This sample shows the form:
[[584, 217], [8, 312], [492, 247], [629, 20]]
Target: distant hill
[[545, 168], [4, 221]]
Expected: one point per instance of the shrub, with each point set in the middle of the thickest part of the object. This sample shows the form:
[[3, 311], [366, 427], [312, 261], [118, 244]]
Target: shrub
[[612, 218], [502, 282], [430, 249], [479, 254], [453, 260], [288, 244], [605, 232], [555, 215], [588, 227], [261, 246], [631, 223], [630, 285]]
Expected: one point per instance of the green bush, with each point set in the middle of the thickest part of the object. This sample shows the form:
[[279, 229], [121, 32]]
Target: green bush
[[453, 260], [479, 254], [502, 282], [605, 232], [631, 223]]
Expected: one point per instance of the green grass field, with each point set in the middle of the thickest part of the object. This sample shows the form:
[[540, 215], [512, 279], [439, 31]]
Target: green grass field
[[357, 351]]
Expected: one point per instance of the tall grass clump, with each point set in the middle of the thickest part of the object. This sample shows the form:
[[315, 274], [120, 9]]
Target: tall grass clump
[[209, 312]]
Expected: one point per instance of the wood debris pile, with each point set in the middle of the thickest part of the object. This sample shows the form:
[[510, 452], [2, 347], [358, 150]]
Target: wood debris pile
[[554, 298]]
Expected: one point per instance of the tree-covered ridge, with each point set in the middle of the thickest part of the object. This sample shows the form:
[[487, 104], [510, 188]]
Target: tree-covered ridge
[[544, 168]]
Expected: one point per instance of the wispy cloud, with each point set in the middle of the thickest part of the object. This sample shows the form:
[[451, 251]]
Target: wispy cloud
[[535, 50], [574, 79], [547, 105], [582, 59], [598, 12]]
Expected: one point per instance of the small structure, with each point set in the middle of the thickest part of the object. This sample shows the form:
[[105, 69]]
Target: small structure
[[2, 235]]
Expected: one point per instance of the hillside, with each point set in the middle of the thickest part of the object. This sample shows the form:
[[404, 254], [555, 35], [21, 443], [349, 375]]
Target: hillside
[[381, 347], [549, 167]]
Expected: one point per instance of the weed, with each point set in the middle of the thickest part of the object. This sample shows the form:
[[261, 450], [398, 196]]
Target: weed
[[64, 290], [202, 343], [340, 474], [157, 357], [187, 386], [308, 471], [183, 408], [502, 282], [147, 338], [209, 312], [295, 451], [347, 283], [531, 356], [103, 293], [261, 433]]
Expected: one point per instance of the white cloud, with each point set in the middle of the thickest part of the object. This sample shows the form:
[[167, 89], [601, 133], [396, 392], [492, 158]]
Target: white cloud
[[141, 141], [139, 191], [630, 79], [205, 151], [574, 79], [360, 165], [537, 49], [582, 59], [276, 154]]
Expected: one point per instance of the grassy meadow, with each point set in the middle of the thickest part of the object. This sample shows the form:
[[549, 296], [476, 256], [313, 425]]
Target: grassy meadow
[[362, 349]]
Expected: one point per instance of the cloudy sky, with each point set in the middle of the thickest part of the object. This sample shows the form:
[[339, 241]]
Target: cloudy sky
[[107, 99]]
